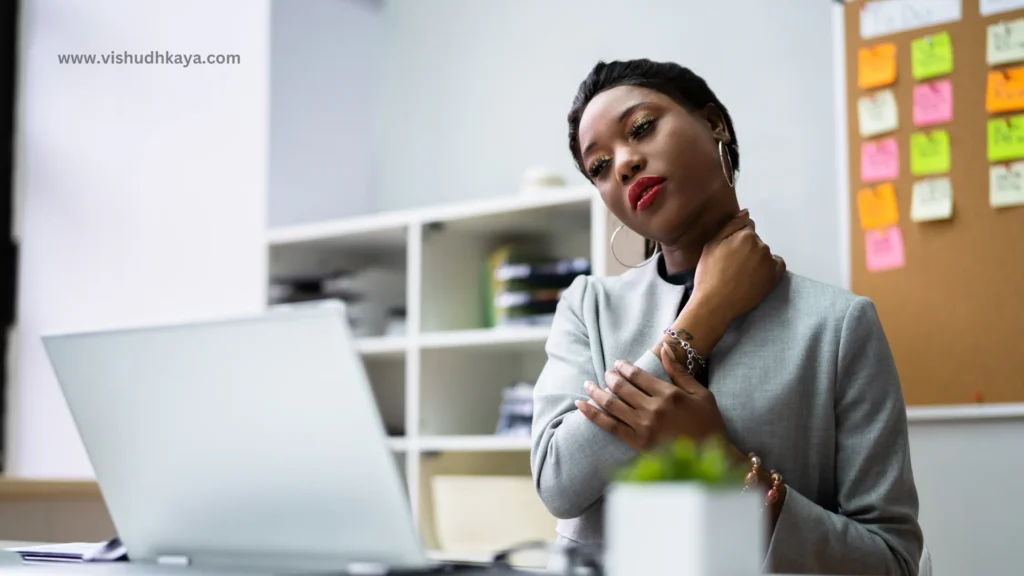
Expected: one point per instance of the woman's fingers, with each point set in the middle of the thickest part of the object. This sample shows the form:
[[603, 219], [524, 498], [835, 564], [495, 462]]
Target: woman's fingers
[[606, 422], [780, 267], [610, 404], [621, 387], [644, 381], [740, 221]]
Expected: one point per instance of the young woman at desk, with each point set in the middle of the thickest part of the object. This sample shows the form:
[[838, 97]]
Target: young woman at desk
[[712, 337]]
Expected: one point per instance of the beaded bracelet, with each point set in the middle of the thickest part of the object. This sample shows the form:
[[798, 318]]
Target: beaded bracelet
[[691, 354], [774, 493]]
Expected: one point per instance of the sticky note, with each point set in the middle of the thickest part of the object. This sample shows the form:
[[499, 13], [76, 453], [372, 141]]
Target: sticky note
[[879, 161], [877, 113], [876, 65], [1006, 185], [1005, 43], [931, 56], [929, 153], [1005, 91], [1006, 138], [933, 103], [884, 249], [877, 207], [932, 199]]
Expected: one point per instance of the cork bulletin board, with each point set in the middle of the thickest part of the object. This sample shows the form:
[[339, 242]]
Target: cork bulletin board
[[936, 199]]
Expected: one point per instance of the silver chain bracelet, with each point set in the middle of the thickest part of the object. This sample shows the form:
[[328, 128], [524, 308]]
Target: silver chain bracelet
[[691, 354]]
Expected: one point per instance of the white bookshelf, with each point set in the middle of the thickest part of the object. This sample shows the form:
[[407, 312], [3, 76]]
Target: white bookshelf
[[441, 381]]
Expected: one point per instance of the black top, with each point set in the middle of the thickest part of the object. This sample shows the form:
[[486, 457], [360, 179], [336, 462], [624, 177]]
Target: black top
[[685, 280]]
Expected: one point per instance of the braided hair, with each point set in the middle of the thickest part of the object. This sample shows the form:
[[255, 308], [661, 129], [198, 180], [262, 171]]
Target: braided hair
[[677, 82]]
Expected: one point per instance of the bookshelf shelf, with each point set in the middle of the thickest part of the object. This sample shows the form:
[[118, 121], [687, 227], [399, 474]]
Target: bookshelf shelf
[[526, 337], [481, 443], [382, 346], [440, 385]]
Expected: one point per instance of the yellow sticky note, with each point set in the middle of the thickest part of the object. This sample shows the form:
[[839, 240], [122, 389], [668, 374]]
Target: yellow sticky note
[[1005, 91], [1006, 185], [931, 56], [930, 153], [877, 207], [876, 65], [1006, 138], [1005, 42]]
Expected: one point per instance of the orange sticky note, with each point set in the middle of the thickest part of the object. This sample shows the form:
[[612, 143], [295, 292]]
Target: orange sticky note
[[1005, 90], [877, 207], [876, 65]]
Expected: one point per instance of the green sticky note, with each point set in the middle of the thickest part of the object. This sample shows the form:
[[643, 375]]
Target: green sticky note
[[929, 153], [931, 56], [1006, 138]]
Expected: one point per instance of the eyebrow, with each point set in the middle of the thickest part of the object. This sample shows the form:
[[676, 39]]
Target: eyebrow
[[622, 116]]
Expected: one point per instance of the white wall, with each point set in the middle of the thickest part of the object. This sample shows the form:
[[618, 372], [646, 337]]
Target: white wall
[[144, 188], [968, 477], [324, 58], [474, 93]]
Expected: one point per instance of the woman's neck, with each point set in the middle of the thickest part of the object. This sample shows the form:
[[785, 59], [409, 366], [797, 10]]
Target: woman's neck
[[684, 254]]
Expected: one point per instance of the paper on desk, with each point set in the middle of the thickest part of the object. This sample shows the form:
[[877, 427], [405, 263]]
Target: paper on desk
[[63, 552]]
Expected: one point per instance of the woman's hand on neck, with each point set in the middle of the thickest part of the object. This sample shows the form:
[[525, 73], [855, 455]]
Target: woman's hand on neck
[[683, 253]]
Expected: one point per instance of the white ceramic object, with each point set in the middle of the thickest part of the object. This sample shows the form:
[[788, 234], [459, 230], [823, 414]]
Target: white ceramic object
[[538, 181], [683, 529]]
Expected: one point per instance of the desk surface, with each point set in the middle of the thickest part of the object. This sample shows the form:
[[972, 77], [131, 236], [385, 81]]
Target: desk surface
[[31, 489]]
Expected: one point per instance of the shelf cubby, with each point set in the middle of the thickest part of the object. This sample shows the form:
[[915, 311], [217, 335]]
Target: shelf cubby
[[439, 383]]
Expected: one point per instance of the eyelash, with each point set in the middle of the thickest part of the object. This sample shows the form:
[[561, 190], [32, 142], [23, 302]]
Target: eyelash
[[639, 127]]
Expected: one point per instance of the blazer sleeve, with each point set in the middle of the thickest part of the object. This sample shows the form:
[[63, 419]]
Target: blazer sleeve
[[572, 459], [875, 529]]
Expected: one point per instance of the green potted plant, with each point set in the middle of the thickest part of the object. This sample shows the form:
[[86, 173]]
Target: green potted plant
[[681, 510]]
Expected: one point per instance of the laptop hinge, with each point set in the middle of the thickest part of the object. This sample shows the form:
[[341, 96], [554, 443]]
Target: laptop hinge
[[173, 560]]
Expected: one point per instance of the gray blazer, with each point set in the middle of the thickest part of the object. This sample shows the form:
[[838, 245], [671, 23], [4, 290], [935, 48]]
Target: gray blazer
[[806, 380]]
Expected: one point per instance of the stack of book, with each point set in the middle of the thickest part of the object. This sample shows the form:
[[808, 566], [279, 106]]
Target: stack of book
[[523, 288]]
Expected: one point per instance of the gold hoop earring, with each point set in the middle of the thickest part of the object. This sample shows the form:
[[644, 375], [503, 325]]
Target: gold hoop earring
[[611, 248], [730, 174]]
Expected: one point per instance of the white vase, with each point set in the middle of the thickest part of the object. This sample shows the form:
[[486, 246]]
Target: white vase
[[683, 529]]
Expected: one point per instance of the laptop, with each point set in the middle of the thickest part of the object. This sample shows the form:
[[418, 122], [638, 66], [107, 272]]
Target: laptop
[[252, 443]]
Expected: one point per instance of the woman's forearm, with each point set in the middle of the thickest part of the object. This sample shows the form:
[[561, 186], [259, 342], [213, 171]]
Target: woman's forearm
[[701, 326]]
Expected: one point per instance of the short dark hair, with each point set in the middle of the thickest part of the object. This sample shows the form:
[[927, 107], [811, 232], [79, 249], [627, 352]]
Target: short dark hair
[[669, 78]]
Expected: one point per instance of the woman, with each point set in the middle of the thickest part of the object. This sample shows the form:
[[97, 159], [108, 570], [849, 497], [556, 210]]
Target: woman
[[713, 338]]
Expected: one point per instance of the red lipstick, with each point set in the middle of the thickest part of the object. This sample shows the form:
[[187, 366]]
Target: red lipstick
[[644, 191]]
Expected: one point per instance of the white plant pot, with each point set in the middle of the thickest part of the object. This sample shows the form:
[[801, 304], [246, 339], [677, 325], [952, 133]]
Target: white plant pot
[[683, 529]]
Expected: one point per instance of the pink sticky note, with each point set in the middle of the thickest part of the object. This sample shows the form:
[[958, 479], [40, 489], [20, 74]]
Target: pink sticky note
[[884, 249], [879, 161], [933, 103]]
